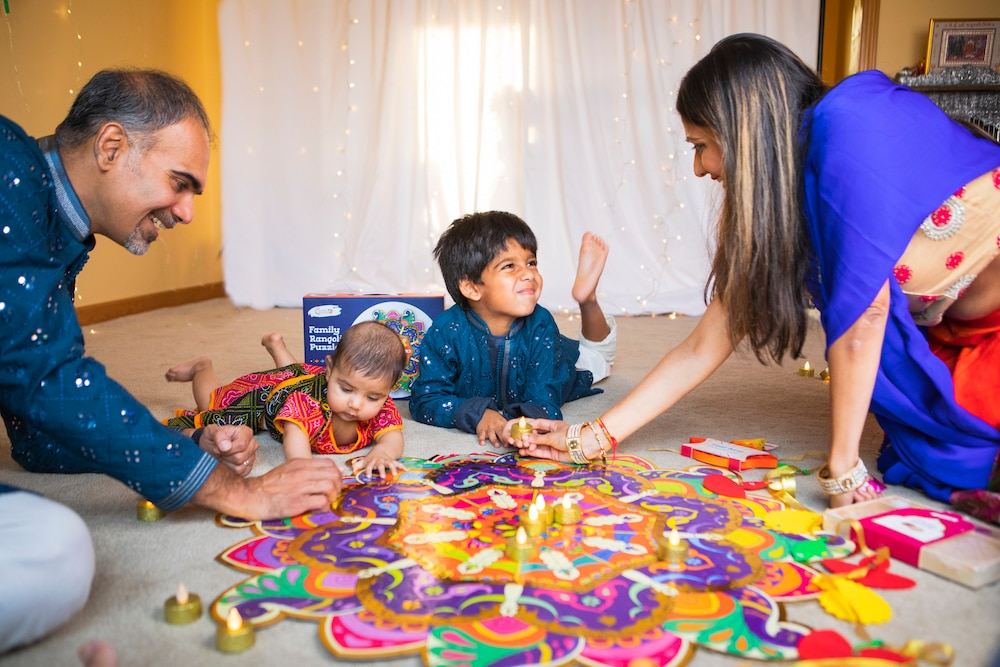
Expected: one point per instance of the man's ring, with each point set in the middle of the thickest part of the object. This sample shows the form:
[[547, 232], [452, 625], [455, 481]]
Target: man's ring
[[246, 464]]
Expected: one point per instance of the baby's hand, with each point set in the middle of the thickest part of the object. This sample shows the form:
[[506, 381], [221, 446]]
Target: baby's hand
[[377, 460]]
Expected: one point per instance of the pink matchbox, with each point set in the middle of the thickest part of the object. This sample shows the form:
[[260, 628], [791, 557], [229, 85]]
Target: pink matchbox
[[945, 543]]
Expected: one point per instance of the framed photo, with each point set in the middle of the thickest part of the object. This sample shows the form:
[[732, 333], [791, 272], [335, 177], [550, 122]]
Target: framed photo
[[957, 42]]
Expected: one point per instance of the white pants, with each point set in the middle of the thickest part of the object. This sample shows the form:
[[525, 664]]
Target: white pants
[[599, 357], [46, 567]]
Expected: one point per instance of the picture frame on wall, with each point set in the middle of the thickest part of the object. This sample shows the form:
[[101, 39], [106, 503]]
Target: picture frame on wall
[[958, 42]]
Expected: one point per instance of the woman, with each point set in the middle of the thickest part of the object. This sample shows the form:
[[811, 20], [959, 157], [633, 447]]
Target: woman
[[840, 191]]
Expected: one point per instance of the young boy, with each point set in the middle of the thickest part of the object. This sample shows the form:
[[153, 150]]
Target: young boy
[[309, 409], [496, 354]]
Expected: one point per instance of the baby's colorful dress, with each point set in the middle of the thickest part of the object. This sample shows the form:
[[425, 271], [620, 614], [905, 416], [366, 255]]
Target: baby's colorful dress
[[296, 394]]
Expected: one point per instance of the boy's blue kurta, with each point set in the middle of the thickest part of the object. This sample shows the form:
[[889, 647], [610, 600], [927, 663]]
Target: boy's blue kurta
[[465, 370], [62, 412]]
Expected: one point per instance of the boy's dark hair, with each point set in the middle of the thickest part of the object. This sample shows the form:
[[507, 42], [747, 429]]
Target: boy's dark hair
[[468, 246], [372, 349]]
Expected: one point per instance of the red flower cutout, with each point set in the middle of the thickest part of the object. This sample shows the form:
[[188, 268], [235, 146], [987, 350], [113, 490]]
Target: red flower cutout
[[954, 259], [825, 644], [877, 577], [903, 273]]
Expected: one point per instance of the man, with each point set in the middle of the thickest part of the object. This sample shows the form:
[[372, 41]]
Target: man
[[126, 163]]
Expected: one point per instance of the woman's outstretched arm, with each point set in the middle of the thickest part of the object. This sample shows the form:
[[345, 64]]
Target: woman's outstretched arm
[[682, 369]]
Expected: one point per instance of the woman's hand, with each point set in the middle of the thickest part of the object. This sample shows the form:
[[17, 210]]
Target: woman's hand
[[548, 440]]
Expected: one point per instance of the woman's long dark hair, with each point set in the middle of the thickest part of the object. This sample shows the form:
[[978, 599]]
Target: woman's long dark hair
[[751, 92]]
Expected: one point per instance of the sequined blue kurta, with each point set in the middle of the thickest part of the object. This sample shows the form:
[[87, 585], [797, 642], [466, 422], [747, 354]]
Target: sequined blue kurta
[[465, 370], [62, 412]]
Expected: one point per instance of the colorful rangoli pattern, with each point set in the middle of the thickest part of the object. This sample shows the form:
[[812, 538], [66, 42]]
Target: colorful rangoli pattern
[[417, 565]]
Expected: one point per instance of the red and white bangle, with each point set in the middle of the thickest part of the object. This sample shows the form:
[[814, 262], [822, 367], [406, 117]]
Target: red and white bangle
[[849, 481]]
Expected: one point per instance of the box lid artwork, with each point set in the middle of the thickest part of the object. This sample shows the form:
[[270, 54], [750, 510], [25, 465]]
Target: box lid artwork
[[327, 316]]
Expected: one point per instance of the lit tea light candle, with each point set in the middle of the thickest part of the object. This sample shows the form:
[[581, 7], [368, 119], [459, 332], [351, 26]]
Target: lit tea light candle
[[568, 512], [182, 608], [674, 550], [520, 428], [544, 510], [147, 511], [519, 547], [532, 521], [234, 635], [807, 370], [824, 375]]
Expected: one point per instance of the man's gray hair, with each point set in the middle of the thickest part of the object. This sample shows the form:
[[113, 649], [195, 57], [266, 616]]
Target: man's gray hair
[[142, 100]]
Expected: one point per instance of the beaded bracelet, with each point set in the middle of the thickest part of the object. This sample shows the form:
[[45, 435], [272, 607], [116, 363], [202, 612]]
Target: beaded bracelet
[[611, 438], [600, 442]]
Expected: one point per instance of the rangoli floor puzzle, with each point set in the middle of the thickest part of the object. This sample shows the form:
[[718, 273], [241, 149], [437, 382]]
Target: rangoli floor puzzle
[[651, 565]]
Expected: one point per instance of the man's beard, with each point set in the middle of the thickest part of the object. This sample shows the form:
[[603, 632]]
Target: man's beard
[[136, 243]]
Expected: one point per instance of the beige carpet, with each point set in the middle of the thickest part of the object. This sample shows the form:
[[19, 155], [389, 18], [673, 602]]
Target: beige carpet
[[139, 565]]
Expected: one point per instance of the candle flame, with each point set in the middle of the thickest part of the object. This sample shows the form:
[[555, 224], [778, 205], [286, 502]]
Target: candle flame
[[566, 502], [533, 512], [182, 594], [806, 366], [540, 502], [522, 422], [234, 621], [521, 537], [674, 538]]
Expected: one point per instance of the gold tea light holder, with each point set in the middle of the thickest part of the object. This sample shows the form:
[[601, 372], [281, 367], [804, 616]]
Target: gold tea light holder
[[147, 511], [520, 547], [546, 512], [234, 635], [532, 522], [182, 608], [567, 512], [807, 371], [520, 428], [673, 550]]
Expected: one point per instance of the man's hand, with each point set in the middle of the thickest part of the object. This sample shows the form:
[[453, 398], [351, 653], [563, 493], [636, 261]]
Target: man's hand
[[233, 446], [300, 485], [293, 488], [490, 428]]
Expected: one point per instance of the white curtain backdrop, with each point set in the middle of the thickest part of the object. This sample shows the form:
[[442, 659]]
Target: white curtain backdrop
[[354, 132]]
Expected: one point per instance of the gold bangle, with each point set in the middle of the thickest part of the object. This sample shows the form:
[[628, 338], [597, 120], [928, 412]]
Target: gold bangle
[[574, 445], [849, 481]]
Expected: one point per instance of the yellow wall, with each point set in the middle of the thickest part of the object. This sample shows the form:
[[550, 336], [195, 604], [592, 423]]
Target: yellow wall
[[903, 26], [50, 48]]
